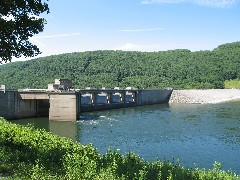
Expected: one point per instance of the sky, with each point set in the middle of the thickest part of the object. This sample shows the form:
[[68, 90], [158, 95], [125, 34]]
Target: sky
[[138, 25]]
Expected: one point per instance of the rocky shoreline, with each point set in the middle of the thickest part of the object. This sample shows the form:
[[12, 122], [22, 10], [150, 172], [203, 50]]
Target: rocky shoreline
[[207, 96]]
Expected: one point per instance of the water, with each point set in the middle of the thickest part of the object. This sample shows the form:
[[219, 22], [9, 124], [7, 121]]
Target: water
[[196, 134]]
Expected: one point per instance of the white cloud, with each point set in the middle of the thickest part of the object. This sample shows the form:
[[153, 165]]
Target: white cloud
[[129, 47], [141, 30], [208, 3], [56, 35], [45, 48], [38, 38], [145, 47], [162, 1], [216, 3]]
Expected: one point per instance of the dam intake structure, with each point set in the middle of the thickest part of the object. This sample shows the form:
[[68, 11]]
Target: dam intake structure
[[62, 103]]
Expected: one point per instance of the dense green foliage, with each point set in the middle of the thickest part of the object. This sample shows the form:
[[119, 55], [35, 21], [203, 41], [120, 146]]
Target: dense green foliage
[[20, 20], [27, 153], [174, 68]]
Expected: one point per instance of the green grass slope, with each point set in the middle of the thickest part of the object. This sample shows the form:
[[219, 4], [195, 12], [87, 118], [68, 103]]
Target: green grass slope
[[232, 84]]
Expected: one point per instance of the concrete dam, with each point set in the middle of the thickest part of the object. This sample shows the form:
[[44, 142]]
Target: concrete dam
[[60, 102]]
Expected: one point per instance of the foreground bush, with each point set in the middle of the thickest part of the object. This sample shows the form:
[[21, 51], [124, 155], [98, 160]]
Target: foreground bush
[[27, 153]]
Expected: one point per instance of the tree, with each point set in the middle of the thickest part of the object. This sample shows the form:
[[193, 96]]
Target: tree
[[20, 20]]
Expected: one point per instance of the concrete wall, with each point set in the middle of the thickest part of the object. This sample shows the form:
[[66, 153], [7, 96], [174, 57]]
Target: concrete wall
[[63, 107], [158, 96], [7, 104], [13, 107]]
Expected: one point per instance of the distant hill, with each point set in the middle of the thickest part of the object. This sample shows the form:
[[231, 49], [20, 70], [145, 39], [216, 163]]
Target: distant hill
[[179, 68]]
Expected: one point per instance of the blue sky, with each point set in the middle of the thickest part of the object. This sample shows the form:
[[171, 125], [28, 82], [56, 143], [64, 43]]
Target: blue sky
[[139, 25]]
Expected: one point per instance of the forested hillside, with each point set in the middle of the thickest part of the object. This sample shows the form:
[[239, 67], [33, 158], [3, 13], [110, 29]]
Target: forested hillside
[[174, 68]]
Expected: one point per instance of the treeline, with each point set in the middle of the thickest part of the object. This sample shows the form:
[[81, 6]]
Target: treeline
[[179, 68]]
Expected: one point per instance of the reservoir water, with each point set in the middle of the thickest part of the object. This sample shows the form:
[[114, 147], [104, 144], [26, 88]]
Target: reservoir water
[[193, 133]]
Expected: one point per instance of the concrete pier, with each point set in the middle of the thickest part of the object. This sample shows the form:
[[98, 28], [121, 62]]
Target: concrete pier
[[63, 107], [68, 105]]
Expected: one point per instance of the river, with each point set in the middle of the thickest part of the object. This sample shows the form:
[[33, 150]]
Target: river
[[196, 134]]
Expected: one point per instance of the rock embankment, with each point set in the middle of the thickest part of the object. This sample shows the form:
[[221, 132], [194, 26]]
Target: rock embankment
[[208, 96]]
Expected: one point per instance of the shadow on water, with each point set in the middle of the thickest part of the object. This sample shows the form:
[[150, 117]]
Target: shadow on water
[[41, 123], [67, 129]]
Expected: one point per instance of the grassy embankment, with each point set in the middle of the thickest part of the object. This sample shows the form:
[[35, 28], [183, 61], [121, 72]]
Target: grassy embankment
[[27, 153], [229, 84]]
